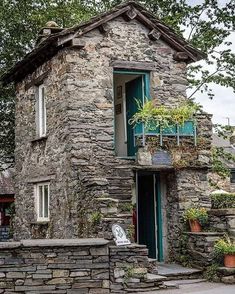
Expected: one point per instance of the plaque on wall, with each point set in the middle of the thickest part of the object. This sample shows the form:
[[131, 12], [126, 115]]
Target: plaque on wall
[[161, 157]]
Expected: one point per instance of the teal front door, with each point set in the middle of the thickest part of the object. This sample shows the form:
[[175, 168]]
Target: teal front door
[[134, 91], [149, 214]]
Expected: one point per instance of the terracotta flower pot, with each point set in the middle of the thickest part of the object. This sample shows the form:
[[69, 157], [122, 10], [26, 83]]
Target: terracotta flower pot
[[229, 260], [195, 226]]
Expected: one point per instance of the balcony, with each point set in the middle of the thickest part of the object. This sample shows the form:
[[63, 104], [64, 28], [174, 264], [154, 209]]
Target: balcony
[[188, 129]]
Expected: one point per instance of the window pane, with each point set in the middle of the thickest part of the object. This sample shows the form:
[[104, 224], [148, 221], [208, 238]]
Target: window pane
[[40, 200], [46, 201], [43, 112]]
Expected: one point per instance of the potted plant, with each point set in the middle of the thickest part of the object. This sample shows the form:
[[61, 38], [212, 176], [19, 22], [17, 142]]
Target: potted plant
[[226, 248], [197, 217]]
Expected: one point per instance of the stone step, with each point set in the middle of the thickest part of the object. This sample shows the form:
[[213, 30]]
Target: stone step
[[175, 271], [176, 283], [154, 278], [142, 290]]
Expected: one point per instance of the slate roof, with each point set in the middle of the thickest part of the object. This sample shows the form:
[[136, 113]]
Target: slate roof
[[55, 42]]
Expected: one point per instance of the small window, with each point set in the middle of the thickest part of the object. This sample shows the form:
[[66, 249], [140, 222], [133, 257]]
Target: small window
[[232, 177], [41, 111], [42, 201]]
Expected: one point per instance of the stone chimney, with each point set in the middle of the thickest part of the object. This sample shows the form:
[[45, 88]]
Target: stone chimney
[[232, 138], [50, 28]]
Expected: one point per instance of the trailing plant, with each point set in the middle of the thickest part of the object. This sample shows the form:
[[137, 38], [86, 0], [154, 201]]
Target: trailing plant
[[224, 246], [196, 213], [161, 116], [223, 200]]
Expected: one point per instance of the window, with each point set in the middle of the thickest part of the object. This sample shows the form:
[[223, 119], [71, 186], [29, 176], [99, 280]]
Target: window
[[42, 201], [41, 111], [232, 178]]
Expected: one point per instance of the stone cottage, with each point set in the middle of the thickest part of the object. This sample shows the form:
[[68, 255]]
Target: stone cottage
[[76, 167]]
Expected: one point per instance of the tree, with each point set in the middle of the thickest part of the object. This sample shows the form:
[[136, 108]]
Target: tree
[[206, 25]]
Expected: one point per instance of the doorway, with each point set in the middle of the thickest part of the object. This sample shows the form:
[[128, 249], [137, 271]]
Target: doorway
[[130, 89], [149, 213]]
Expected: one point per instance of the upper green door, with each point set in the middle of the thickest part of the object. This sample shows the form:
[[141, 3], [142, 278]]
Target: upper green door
[[134, 91]]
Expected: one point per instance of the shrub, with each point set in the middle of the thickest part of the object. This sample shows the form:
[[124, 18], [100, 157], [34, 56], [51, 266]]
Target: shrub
[[223, 200], [225, 246], [196, 213]]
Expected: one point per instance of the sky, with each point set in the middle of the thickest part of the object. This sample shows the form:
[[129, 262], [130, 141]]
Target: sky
[[223, 104]]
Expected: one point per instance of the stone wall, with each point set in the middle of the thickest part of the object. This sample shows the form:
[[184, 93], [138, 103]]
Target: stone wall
[[223, 220], [44, 159], [200, 247], [55, 266], [68, 266]]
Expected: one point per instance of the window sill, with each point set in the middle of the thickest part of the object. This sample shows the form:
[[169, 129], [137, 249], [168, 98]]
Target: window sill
[[43, 138]]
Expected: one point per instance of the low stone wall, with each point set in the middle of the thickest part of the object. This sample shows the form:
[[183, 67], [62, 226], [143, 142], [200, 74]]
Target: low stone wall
[[85, 266], [223, 220], [200, 247], [129, 270], [55, 266]]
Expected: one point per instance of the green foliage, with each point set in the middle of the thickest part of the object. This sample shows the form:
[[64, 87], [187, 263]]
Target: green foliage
[[96, 218], [126, 207], [218, 156], [161, 116], [196, 213], [211, 273], [223, 200], [225, 246]]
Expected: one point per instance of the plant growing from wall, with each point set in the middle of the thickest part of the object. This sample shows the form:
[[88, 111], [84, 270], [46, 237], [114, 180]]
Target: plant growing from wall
[[96, 218]]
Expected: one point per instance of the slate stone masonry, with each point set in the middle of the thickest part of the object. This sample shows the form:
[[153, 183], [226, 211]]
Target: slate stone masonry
[[78, 155], [73, 266]]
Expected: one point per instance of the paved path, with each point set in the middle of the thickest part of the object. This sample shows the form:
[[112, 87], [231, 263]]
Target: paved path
[[199, 288]]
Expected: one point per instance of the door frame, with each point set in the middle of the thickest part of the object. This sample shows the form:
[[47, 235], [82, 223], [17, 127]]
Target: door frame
[[158, 213], [146, 94]]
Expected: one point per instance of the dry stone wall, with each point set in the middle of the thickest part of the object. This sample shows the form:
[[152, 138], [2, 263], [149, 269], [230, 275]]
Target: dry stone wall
[[85, 266]]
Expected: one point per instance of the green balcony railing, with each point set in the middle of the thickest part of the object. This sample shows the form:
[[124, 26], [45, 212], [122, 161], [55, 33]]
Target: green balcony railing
[[188, 129]]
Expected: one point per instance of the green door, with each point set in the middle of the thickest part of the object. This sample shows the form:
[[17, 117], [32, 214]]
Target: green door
[[134, 91], [150, 214], [146, 213]]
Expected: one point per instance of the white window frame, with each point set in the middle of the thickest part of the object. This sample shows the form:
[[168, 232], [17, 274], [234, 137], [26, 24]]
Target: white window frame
[[41, 108], [42, 218]]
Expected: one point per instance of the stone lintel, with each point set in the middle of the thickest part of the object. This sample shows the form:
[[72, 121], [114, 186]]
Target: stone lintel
[[41, 179], [134, 65]]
